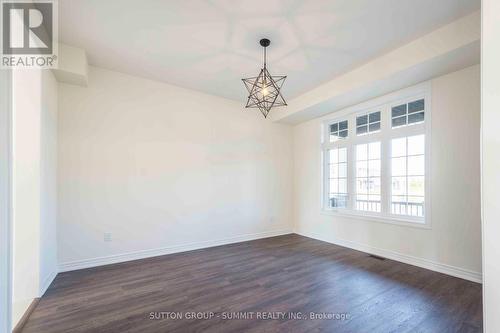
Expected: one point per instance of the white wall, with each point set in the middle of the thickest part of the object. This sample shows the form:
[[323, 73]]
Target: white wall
[[454, 242], [26, 189], [48, 180], [34, 161], [158, 167], [5, 200], [490, 123]]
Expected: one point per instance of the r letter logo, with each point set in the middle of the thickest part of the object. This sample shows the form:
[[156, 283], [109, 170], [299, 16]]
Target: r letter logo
[[28, 34]]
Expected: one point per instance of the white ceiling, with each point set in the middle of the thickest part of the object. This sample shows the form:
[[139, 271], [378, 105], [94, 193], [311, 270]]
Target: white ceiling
[[209, 45]]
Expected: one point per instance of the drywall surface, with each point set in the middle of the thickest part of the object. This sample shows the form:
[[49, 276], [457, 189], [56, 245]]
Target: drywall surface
[[26, 189], [490, 123], [48, 180], [34, 165], [150, 167]]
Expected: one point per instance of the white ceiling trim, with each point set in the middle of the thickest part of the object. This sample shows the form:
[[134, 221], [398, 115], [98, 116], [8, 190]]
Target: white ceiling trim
[[449, 48]]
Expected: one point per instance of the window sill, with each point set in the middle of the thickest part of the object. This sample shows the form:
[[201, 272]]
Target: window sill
[[397, 220]]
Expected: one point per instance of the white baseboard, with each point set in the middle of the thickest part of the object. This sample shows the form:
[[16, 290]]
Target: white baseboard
[[407, 259], [113, 259], [404, 258], [46, 282]]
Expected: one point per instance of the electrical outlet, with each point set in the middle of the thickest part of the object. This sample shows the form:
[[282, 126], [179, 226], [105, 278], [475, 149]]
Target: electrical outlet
[[107, 237]]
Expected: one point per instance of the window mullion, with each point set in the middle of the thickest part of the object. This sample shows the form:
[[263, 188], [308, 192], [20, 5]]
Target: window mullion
[[326, 178], [351, 176], [385, 161], [407, 179], [351, 120]]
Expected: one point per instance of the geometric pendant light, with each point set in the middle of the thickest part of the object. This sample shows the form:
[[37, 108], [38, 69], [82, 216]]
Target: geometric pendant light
[[264, 89]]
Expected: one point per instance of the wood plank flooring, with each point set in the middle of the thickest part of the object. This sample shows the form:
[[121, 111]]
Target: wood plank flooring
[[290, 274]]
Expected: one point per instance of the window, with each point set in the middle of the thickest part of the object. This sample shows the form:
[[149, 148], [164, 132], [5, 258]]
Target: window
[[408, 176], [368, 123], [338, 177], [368, 177], [407, 114], [376, 160], [338, 131]]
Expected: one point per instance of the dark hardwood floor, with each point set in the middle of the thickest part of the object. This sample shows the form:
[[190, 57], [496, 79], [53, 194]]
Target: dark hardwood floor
[[289, 274]]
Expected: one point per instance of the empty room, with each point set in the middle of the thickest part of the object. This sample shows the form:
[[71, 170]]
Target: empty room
[[250, 166]]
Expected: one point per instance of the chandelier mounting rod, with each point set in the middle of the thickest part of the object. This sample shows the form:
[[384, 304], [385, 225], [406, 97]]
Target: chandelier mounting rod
[[264, 42]]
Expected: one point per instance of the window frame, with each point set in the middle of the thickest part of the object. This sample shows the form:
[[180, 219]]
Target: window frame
[[368, 123], [328, 180], [384, 135], [367, 176], [339, 138]]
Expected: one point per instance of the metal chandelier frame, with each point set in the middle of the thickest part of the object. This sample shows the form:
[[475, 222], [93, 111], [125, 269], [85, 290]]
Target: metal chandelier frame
[[264, 90]]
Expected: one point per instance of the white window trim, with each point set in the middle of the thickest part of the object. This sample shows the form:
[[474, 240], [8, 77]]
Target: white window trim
[[383, 104]]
